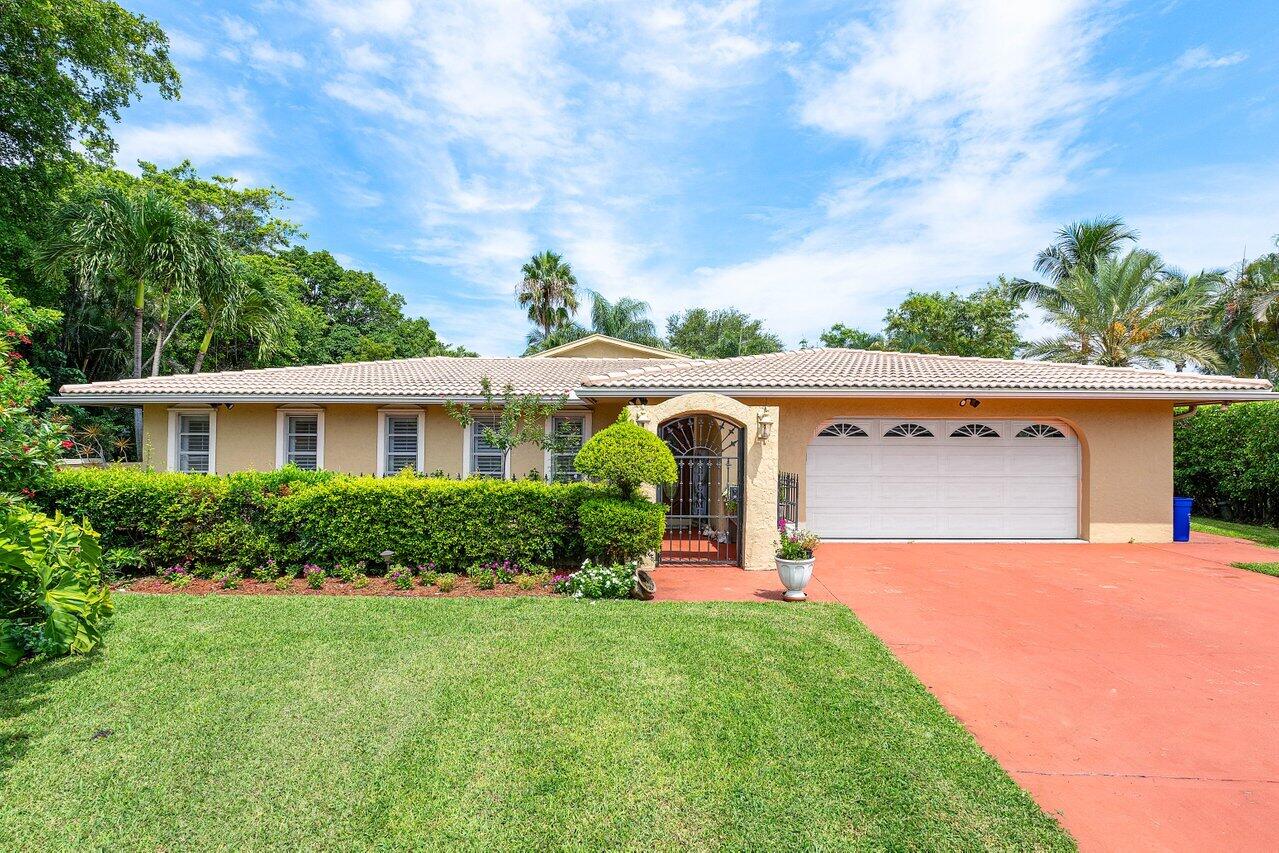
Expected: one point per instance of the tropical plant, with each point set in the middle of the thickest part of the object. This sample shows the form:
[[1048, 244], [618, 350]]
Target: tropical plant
[[52, 596], [1245, 322], [521, 419], [1128, 312], [626, 319], [145, 243], [548, 291], [239, 300], [1079, 245]]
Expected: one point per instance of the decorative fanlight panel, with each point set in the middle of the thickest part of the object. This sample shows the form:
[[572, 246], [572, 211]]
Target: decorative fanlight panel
[[974, 431], [701, 435], [1041, 431], [843, 429], [909, 430]]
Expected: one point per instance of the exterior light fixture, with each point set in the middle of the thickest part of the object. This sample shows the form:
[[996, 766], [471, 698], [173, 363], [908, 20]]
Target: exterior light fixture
[[970, 401], [765, 424], [641, 417]]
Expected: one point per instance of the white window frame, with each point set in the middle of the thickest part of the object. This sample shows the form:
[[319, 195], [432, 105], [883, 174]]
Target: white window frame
[[548, 458], [175, 414], [282, 434], [468, 436], [382, 415]]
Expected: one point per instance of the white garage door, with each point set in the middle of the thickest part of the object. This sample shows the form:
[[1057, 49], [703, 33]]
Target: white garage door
[[929, 479]]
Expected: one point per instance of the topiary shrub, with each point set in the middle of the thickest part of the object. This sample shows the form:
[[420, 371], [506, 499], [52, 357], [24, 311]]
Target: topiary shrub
[[626, 456], [621, 531]]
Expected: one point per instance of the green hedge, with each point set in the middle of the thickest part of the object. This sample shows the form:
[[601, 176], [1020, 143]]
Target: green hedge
[[618, 531], [294, 517], [1228, 461]]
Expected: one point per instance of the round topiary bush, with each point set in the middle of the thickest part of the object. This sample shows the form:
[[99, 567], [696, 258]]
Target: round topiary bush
[[625, 455]]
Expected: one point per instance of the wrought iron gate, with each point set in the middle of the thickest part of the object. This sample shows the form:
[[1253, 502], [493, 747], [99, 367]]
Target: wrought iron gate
[[705, 507]]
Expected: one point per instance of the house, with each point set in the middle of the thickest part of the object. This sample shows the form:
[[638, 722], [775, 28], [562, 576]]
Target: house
[[851, 443]]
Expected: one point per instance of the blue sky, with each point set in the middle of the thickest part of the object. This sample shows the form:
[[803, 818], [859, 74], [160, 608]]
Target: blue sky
[[807, 162]]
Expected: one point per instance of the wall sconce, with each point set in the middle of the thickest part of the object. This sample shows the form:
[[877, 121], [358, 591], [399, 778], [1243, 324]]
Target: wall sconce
[[641, 417], [765, 424]]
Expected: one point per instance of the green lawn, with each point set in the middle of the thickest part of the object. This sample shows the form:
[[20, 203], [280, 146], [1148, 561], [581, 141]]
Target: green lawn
[[1271, 569], [353, 723], [1268, 536]]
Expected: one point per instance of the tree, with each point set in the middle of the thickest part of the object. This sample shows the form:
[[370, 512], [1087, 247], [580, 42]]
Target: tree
[[521, 420], [1244, 326], [113, 241], [845, 337], [566, 333], [722, 333], [240, 300], [67, 69], [626, 319], [1127, 313], [982, 324], [548, 291]]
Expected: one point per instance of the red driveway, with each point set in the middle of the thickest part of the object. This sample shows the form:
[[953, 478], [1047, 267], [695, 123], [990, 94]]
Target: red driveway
[[1132, 689]]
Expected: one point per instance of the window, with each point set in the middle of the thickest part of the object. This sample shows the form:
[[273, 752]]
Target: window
[[573, 429], [195, 443], [1041, 431], [843, 430], [400, 443], [908, 430], [486, 459], [974, 431], [302, 441]]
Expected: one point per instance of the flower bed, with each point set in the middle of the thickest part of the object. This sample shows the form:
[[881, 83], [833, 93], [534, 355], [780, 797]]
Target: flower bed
[[464, 588]]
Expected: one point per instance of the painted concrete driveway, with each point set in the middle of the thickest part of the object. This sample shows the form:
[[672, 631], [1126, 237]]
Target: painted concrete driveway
[[1132, 689]]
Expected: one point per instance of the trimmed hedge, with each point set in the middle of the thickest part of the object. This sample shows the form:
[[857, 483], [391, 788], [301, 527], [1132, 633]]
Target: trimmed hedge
[[239, 521], [1228, 461], [618, 531], [454, 524], [625, 456]]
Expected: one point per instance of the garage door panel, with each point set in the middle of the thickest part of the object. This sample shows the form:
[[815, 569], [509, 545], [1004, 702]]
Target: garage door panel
[[944, 487]]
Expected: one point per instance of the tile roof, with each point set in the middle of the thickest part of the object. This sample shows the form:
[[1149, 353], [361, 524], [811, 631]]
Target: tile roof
[[817, 370], [847, 369], [433, 377]]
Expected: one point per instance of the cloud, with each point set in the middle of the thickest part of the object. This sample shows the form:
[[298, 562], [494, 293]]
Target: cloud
[[185, 46], [1197, 58], [259, 52]]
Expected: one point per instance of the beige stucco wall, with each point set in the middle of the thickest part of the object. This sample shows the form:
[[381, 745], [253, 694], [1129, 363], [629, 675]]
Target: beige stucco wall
[[1126, 451], [246, 438]]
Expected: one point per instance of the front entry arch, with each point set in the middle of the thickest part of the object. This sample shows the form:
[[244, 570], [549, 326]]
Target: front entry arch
[[706, 507]]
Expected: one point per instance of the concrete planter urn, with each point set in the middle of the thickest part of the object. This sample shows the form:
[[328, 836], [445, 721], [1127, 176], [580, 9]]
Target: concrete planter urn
[[795, 575]]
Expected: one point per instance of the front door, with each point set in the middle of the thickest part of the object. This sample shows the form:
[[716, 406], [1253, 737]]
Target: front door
[[705, 507]]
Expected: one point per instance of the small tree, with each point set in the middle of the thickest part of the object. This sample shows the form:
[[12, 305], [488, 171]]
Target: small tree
[[521, 420], [627, 456]]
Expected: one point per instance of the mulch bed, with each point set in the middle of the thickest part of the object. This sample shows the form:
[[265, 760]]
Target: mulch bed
[[332, 586]]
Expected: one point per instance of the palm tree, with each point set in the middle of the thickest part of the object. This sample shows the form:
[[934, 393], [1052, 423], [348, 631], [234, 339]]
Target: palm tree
[[111, 240], [564, 333], [239, 300], [626, 319], [548, 291], [1128, 312], [1246, 319]]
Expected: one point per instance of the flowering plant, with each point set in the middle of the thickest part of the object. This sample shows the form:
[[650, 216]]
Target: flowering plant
[[314, 575], [797, 543], [400, 577], [596, 581]]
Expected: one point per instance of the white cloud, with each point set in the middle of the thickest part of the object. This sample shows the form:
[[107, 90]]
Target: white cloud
[[184, 46], [1197, 58], [259, 52]]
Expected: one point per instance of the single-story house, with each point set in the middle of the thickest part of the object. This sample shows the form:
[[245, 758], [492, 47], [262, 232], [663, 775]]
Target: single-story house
[[850, 443]]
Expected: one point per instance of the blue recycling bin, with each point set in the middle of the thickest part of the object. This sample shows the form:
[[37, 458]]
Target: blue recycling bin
[[1181, 519]]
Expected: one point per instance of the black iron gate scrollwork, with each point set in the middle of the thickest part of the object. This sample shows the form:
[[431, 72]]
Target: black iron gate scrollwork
[[707, 503]]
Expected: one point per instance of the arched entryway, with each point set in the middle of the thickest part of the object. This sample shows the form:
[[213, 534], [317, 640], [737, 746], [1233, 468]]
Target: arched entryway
[[705, 508]]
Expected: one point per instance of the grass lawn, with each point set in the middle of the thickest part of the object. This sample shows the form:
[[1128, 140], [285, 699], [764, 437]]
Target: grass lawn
[[339, 723], [1268, 536], [1271, 569]]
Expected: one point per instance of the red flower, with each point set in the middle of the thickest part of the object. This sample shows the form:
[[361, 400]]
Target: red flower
[[67, 444]]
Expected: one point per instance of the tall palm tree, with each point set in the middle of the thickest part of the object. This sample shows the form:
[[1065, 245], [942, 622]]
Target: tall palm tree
[[1246, 319], [1127, 312], [548, 291], [626, 319], [113, 240], [238, 300]]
